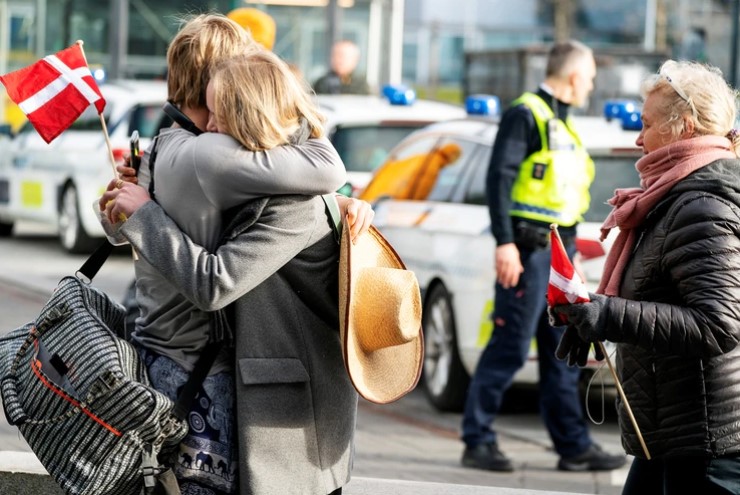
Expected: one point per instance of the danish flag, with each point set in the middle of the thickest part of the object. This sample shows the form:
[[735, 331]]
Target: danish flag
[[54, 91], [565, 286]]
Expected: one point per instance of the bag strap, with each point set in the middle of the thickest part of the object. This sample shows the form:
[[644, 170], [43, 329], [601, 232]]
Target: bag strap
[[190, 390], [92, 265], [332, 210], [208, 355]]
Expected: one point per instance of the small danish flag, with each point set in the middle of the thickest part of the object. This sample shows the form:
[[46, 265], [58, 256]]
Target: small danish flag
[[54, 91]]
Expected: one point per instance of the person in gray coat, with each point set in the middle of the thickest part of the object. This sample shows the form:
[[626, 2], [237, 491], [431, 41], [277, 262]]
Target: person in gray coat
[[295, 407], [670, 292]]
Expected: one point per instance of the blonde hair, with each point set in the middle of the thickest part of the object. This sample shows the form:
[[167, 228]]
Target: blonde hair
[[696, 92], [203, 41], [260, 102], [564, 58]]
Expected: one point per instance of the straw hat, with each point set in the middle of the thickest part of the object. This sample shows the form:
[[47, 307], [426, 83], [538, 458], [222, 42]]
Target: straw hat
[[380, 318]]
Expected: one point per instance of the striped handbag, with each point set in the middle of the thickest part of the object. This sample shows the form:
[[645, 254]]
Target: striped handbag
[[80, 396]]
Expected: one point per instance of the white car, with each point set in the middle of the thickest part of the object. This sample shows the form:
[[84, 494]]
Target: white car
[[58, 183], [364, 128], [446, 240]]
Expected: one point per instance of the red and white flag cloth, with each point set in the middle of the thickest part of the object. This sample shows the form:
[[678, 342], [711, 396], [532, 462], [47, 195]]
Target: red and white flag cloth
[[565, 286], [54, 91]]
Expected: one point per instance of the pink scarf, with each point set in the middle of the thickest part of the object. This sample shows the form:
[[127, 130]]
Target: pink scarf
[[659, 171]]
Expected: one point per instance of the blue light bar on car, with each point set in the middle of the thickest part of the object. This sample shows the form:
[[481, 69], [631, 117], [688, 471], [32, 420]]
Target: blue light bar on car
[[626, 111], [99, 75], [398, 94], [632, 121], [482, 105]]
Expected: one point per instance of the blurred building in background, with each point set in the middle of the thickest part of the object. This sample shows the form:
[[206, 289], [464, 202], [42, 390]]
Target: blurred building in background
[[420, 42]]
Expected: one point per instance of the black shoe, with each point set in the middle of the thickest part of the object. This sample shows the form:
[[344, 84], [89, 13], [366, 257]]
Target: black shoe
[[486, 456], [594, 459]]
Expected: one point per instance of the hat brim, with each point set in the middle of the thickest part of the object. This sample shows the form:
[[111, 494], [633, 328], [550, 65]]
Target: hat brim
[[384, 375]]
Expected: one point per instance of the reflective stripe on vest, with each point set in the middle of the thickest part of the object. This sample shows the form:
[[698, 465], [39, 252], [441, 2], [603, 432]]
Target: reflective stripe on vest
[[552, 183]]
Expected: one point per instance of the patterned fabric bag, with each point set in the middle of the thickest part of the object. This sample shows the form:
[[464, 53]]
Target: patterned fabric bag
[[82, 400]]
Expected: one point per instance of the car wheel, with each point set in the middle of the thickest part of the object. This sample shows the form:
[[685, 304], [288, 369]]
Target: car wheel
[[6, 229], [72, 235], [444, 378]]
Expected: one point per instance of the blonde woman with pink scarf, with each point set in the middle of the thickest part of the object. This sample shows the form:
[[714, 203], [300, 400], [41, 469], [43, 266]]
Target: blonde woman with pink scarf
[[670, 293]]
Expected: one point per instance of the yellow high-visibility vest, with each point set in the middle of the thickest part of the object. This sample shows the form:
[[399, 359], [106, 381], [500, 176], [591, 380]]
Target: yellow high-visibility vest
[[552, 184]]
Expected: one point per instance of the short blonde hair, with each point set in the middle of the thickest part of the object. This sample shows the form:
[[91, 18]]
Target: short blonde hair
[[695, 91], [203, 41], [260, 102]]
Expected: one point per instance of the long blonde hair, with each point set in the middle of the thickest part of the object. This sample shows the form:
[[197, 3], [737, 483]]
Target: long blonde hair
[[260, 102], [697, 92]]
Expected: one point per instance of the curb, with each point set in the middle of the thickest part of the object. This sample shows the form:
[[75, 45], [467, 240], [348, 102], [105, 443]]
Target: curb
[[21, 473]]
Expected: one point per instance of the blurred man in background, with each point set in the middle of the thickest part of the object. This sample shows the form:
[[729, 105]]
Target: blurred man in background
[[342, 78]]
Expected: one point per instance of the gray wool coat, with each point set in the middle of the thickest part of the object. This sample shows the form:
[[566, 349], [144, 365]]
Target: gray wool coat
[[296, 407]]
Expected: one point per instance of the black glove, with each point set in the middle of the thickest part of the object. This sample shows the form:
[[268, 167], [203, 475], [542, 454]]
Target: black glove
[[588, 318], [575, 349]]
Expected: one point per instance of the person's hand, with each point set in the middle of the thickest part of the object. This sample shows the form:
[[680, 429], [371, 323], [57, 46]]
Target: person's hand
[[508, 265], [121, 199], [588, 318], [126, 172], [575, 350], [359, 215]]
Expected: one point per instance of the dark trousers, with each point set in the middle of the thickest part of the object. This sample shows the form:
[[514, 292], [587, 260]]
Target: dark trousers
[[682, 475], [338, 491], [521, 314]]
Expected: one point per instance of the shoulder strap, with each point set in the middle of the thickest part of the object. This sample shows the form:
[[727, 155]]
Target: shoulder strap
[[541, 112], [332, 210], [92, 265]]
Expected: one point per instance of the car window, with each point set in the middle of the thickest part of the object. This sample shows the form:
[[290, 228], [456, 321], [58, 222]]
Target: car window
[[454, 156], [413, 147], [88, 121], [475, 192], [146, 119], [365, 148], [612, 172]]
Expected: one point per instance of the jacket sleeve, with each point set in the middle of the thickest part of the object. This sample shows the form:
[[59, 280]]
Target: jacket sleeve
[[212, 280], [229, 174], [514, 142], [700, 258]]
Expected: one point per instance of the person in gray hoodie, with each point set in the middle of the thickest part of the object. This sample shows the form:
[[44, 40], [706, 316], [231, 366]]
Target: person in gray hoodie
[[288, 358]]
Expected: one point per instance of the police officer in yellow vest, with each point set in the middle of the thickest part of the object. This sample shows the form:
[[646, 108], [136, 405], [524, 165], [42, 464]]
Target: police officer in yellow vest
[[539, 174]]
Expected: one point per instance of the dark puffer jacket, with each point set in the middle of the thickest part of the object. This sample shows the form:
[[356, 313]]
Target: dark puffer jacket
[[677, 321]]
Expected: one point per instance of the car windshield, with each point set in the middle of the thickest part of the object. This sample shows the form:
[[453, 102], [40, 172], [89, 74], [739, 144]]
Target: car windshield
[[365, 148], [144, 118], [612, 172]]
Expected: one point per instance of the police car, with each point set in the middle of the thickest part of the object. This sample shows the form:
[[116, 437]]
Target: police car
[[58, 183], [364, 128], [444, 235]]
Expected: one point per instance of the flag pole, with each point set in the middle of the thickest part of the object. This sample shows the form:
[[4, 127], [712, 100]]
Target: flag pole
[[620, 391], [102, 122]]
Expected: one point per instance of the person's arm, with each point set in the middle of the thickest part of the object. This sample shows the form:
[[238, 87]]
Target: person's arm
[[512, 146], [229, 174], [212, 280], [701, 258]]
